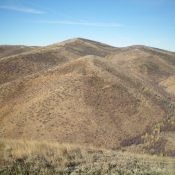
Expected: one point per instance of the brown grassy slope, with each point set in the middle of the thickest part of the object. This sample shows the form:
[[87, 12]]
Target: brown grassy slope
[[86, 101], [7, 50], [145, 62], [43, 58], [157, 67], [105, 102], [169, 84]]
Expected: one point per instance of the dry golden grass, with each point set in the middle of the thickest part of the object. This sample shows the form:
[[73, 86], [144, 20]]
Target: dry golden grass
[[61, 93], [33, 157], [169, 84], [86, 101]]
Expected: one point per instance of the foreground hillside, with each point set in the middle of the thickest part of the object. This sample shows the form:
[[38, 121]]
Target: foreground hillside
[[84, 92], [24, 157]]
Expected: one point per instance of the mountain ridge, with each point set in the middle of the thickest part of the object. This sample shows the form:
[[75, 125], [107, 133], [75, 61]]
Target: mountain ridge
[[85, 92]]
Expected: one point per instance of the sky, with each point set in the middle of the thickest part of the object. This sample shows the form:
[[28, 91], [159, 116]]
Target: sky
[[116, 22]]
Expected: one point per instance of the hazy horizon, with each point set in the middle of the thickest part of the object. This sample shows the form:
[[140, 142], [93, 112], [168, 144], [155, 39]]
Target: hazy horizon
[[117, 23]]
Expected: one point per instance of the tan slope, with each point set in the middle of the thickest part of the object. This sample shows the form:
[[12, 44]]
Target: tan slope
[[86, 46], [87, 101], [169, 84], [53, 93], [157, 67], [43, 58], [7, 50], [145, 62]]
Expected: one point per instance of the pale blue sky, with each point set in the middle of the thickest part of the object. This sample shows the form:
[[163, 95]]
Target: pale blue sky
[[116, 22]]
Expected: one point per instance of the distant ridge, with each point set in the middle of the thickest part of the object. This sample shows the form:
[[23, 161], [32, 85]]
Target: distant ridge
[[8, 50]]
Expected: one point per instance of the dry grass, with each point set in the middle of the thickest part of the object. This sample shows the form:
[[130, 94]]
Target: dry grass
[[87, 100], [169, 84], [8, 50], [59, 93], [32, 157]]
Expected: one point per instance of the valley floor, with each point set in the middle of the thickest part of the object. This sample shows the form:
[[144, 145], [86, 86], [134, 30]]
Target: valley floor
[[34, 157]]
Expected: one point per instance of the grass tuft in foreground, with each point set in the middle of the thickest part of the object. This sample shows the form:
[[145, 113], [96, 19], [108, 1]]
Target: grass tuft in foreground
[[31, 157]]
